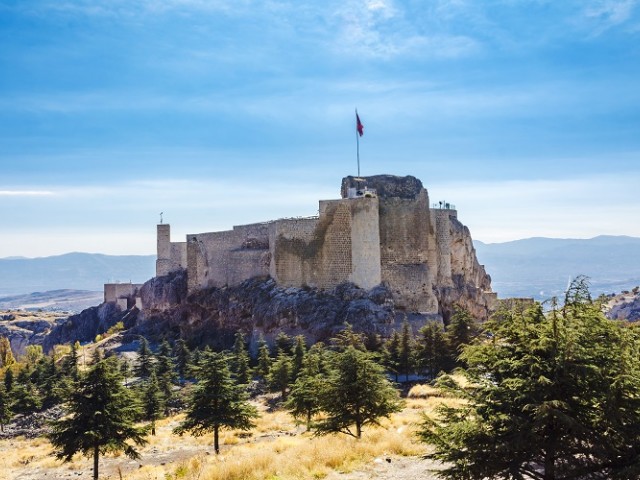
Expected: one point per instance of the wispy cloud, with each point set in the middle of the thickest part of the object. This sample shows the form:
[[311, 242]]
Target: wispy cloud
[[25, 193], [380, 28]]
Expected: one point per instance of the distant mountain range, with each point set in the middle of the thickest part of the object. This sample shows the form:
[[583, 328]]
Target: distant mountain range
[[534, 267], [542, 267], [75, 271]]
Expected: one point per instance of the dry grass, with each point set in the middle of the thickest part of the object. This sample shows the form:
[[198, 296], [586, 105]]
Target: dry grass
[[276, 449]]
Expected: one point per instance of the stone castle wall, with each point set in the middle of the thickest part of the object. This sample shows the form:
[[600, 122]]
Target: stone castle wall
[[218, 259], [422, 254], [341, 245], [171, 256], [116, 292]]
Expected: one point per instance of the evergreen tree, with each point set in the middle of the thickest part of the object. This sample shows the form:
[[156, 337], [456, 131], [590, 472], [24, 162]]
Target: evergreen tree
[[70, 363], [280, 374], [462, 329], [357, 393], [54, 385], [391, 354], [299, 352], [165, 372], [217, 402], [125, 371], [182, 357], [5, 407], [164, 362], [240, 360], [284, 343], [554, 397], [264, 359], [305, 396], [432, 352], [8, 380], [145, 363], [26, 398], [405, 350], [101, 413], [153, 401], [347, 337]]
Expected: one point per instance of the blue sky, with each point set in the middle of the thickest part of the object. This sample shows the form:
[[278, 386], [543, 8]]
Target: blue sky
[[523, 113]]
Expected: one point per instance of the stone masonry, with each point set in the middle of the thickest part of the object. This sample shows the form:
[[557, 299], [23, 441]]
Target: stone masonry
[[382, 230]]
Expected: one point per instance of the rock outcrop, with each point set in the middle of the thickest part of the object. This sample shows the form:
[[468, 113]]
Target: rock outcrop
[[24, 328], [625, 306], [260, 307], [85, 326]]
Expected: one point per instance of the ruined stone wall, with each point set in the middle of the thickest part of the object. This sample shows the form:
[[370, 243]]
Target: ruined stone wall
[[115, 291], [217, 259], [341, 245], [292, 244]]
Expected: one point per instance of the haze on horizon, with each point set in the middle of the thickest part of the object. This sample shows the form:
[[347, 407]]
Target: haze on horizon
[[525, 115]]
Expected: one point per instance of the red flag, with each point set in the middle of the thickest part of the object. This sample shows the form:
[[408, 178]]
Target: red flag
[[359, 126]]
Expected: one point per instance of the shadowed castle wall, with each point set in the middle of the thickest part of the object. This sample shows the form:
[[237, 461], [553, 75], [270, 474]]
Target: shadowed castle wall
[[217, 259], [341, 245]]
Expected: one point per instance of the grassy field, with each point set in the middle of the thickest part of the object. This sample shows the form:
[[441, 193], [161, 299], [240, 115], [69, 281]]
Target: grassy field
[[277, 449]]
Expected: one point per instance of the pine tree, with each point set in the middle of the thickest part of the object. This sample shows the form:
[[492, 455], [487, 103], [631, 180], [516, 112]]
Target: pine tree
[[461, 331], [8, 380], [347, 337], [165, 372], [217, 402], [284, 343], [432, 351], [153, 401], [264, 359], [101, 413], [26, 398], [240, 360], [70, 363], [145, 363], [305, 396], [405, 350], [391, 354], [299, 352], [555, 396], [182, 357], [357, 393], [280, 374], [5, 407]]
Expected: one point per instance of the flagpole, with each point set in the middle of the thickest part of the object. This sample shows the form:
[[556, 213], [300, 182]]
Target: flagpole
[[358, 145]]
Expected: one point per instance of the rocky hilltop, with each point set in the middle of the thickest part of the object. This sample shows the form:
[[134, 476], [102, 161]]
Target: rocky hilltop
[[379, 254]]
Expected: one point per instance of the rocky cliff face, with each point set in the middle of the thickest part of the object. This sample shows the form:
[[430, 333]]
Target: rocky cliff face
[[259, 306], [85, 326], [24, 328], [625, 306]]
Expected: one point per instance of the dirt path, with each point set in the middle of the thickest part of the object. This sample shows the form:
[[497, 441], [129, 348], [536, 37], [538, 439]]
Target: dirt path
[[393, 468]]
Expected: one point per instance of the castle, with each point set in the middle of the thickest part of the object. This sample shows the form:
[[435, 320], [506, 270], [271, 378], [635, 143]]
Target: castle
[[382, 230]]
